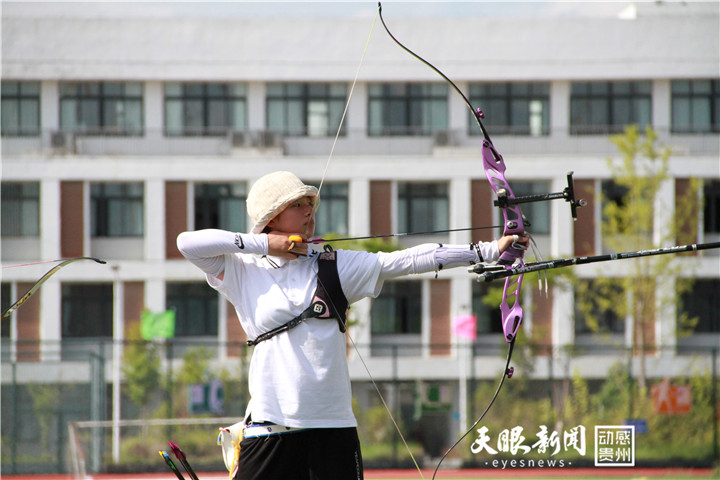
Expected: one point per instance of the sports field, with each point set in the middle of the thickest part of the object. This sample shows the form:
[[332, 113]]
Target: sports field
[[607, 473]]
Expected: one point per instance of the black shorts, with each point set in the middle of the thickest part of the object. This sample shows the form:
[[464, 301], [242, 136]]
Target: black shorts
[[313, 454]]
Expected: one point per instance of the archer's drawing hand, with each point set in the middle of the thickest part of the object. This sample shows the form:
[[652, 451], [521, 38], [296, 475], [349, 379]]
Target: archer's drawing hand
[[281, 245]]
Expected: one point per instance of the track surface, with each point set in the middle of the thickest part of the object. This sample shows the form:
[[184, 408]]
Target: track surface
[[487, 473]]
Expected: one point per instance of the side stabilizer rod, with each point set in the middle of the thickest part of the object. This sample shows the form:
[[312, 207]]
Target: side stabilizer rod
[[490, 273]]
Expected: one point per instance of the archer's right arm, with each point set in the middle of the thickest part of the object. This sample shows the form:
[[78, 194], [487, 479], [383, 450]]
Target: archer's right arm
[[206, 249]]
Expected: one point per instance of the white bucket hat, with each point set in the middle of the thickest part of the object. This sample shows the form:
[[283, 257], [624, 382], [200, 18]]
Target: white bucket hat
[[272, 193]]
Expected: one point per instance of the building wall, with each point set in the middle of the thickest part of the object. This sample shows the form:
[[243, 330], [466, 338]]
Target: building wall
[[559, 51]]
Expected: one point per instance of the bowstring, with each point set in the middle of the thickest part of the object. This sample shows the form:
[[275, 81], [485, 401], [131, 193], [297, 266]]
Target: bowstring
[[487, 409], [322, 181], [387, 407], [347, 105], [372, 380]]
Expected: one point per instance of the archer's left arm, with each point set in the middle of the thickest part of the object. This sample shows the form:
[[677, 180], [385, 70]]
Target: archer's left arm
[[432, 257]]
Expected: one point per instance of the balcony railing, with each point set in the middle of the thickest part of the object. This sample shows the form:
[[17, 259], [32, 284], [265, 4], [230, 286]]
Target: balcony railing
[[221, 142]]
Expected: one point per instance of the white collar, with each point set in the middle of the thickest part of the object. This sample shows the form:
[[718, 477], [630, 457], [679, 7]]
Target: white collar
[[280, 262]]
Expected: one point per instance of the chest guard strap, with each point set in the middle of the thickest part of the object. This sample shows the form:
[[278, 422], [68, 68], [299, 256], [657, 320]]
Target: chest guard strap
[[328, 300]]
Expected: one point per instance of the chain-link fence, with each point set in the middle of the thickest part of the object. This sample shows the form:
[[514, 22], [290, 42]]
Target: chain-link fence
[[549, 411]]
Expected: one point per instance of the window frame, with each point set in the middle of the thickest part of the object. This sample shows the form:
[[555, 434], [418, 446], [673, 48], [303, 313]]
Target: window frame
[[414, 102], [184, 292], [303, 96], [493, 97], [22, 199], [335, 204], [16, 99], [210, 201], [409, 193], [87, 296], [703, 302], [203, 95], [400, 296], [711, 209], [602, 99], [131, 204], [611, 328], [86, 98], [691, 99]]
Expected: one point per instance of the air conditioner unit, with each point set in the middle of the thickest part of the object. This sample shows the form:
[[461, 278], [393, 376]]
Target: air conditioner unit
[[266, 139], [62, 142], [57, 139], [443, 138], [239, 139]]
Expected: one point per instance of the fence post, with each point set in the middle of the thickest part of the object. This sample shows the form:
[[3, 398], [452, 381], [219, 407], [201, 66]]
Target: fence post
[[98, 391], [714, 400], [15, 420], [395, 403], [631, 383]]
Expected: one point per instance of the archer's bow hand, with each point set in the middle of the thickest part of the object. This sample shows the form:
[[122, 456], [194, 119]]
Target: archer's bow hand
[[514, 244]]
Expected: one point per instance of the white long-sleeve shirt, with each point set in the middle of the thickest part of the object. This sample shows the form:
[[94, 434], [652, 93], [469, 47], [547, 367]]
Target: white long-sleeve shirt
[[300, 377]]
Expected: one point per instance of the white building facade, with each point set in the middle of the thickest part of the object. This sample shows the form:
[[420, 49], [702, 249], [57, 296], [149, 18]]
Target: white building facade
[[118, 134]]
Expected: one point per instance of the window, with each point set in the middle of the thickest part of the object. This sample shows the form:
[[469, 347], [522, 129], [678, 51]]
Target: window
[[702, 302], [407, 108], [116, 209], [397, 310], [196, 309], [194, 109], [20, 109], [422, 207], [593, 311], [607, 107], [617, 194], [305, 109], [102, 108], [20, 209], [489, 320], [220, 205], [87, 310], [536, 213], [711, 213], [332, 213], [695, 106], [512, 108]]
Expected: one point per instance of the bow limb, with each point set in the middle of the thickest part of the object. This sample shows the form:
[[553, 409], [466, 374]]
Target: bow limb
[[494, 167], [42, 280], [476, 112]]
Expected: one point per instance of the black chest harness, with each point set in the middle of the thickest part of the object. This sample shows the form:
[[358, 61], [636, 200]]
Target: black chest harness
[[328, 300]]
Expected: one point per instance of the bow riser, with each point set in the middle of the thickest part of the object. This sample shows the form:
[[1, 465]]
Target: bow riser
[[511, 315], [494, 166]]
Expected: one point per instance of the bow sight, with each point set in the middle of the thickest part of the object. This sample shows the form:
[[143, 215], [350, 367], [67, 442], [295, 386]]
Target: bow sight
[[568, 194]]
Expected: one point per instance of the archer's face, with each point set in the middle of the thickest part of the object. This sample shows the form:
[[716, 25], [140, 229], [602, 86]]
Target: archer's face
[[298, 217]]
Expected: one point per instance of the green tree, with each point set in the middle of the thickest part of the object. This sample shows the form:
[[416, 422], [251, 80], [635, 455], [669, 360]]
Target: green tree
[[631, 221], [141, 369]]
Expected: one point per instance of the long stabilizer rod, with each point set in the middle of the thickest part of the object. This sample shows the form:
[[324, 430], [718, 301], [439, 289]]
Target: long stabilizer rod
[[490, 273]]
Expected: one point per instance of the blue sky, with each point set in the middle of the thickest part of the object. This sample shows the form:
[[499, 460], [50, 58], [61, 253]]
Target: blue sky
[[267, 8]]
